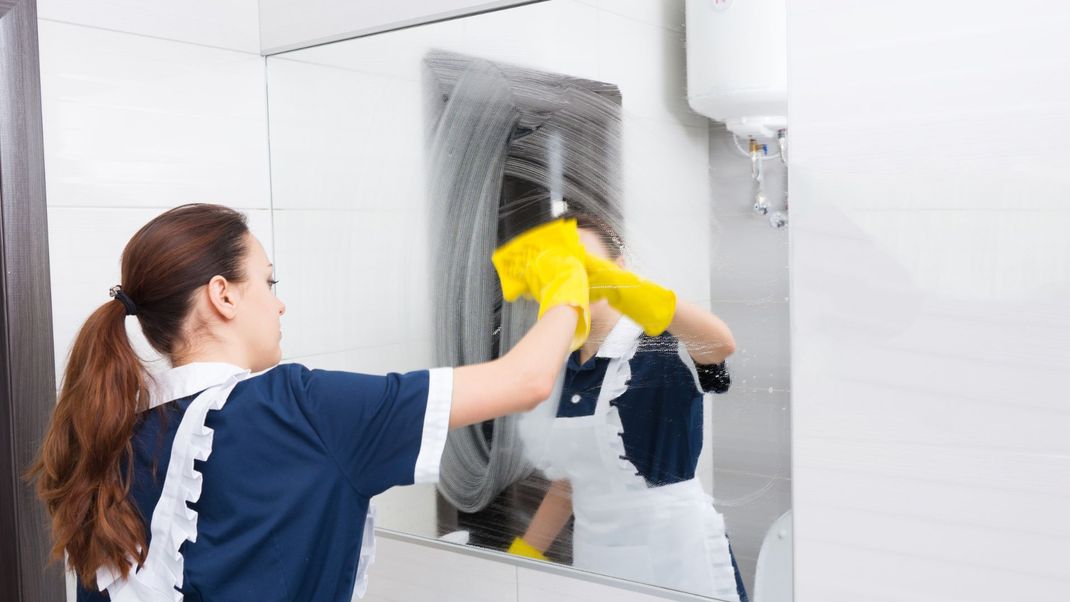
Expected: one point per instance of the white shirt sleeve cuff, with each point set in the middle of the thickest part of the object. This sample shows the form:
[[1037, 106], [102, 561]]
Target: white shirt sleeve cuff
[[436, 425]]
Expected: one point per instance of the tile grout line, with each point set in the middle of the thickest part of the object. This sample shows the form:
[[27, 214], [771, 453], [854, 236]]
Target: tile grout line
[[147, 36]]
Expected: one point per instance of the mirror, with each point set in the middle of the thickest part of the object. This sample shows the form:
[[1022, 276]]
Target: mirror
[[408, 156]]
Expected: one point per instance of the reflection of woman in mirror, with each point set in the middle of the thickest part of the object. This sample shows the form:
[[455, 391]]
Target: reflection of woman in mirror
[[230, 476], [622, 450]]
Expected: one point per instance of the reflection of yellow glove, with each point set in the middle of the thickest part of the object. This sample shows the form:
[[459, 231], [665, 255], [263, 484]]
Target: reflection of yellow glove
[[649, 305], [546, 264], [523, 548]]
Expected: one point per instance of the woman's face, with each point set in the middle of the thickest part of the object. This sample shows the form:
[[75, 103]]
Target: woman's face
[[594, 245], [258, 320]]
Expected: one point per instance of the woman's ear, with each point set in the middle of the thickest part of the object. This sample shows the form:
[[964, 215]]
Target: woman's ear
[[223, 296]]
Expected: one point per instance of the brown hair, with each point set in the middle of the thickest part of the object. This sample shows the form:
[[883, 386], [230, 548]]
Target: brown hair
[[79, 470], [587, 221]]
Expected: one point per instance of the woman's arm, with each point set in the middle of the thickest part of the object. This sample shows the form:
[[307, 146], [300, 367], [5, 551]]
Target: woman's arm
[[707, 337], [520, 379], [550, 518]]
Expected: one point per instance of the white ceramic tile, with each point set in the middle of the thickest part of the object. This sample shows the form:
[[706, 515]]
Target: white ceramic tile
[[876, 524], [535, 586], [671, 251], [761, 331], [752, 432], [661, 13], [665, 168], [930, 337], [947, 99], [131, 121], [342, 139], [84, 251], [405, 572], [994, 182], [976, 255], [750, 503], [749, 260], [375, 96], [396, 54], [351, 279], [560, 37], [647, 63], [232, 24], [411, 509], [666, 204], [902, 575], [961, 66]]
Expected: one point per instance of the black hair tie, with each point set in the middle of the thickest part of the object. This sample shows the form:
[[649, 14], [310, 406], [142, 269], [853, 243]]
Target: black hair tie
[[116, 292]]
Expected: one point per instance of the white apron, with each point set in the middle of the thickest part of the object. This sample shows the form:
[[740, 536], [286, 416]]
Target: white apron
[[173, 522], [670, 536]]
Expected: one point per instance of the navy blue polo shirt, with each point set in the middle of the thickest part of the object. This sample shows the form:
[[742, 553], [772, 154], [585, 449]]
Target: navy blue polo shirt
[[297, 454], [661, 410]]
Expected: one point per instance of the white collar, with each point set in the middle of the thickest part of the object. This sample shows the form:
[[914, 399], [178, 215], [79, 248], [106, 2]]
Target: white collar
[[620, 339], [188, 379]]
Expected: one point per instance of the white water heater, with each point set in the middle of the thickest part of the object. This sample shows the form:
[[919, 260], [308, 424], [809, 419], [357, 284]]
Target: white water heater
[[737, 64]]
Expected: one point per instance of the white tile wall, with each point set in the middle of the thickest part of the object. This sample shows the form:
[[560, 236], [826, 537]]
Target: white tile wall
[[406, 572], [930, 282], [132, 121], [330, 148], [351, 280], [230, 24], [647, 62], [535, 586], [662, 13], [666, 202], [565, 42]]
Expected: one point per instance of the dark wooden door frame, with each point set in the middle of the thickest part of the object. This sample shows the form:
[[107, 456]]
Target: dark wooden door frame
[[27, 373]]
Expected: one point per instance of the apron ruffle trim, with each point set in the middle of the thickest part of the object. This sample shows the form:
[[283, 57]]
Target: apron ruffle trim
[[367, 553], [173, 521]]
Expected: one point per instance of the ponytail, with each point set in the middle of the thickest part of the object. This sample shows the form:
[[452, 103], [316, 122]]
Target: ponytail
[[79, 474]]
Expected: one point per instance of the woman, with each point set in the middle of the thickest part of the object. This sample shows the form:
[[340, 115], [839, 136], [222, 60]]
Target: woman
[[250, 480], [625, 440]]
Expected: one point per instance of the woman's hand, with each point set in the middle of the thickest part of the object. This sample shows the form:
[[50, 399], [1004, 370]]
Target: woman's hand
[[546, 264]]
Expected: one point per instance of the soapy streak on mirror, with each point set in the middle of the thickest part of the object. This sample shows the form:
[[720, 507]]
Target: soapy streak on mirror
[[544, 138]]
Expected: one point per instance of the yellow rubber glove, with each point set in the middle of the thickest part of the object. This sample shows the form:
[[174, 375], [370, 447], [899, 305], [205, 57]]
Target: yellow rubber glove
[[523, 548], [546, 264], [649, 305]]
